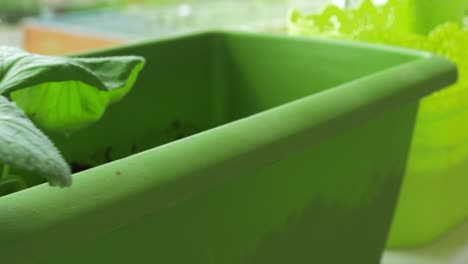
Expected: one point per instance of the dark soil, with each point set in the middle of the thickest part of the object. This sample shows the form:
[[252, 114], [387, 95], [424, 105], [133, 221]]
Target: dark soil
[[77, 167]]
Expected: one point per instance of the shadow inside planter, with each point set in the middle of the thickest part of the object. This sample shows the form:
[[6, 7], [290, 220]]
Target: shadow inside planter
[[195, 83]]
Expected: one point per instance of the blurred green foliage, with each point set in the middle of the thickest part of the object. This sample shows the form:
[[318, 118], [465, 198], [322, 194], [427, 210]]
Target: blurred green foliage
[[13, 10]]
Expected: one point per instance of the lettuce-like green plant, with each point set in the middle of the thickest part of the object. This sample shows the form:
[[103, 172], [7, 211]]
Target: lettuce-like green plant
[[387, 24], [60, 94], [442, 113]]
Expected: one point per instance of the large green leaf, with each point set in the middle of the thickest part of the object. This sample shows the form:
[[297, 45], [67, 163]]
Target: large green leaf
[[25, 147], [64, 93]]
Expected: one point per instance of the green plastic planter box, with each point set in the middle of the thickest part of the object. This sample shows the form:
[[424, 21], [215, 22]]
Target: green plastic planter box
[[251, 149]]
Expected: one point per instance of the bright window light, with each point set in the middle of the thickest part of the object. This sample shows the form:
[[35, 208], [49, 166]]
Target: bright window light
[[340, 3]]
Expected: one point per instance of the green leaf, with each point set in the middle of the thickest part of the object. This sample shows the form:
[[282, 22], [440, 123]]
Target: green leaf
[[25, 147], [442, 115], [63, 94]]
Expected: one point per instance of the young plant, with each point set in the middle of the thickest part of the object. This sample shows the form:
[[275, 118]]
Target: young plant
[[387, 24], [59, 94]]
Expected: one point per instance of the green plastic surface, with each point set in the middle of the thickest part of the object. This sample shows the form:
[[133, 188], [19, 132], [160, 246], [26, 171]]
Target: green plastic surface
[[293, 152]]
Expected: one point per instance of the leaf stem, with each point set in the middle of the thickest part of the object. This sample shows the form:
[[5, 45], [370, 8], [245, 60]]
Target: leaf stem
[[19, 180], [5, 171], [13, 179], [7, 179]]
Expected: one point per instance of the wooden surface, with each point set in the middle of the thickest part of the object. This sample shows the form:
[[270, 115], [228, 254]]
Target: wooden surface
[[54, 41]]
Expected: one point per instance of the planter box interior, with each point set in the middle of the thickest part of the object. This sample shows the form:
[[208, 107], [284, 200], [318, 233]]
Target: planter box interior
[[234, 148]]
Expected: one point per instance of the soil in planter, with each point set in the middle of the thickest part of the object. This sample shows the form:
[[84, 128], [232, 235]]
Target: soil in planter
[[77, 167], [9, 188], [174, 131], [180, 130]]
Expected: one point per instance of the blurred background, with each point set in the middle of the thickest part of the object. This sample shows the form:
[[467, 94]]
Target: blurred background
[[59, 27]]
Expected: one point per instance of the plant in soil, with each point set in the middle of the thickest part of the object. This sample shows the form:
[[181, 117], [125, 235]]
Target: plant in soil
[[57, 94]]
